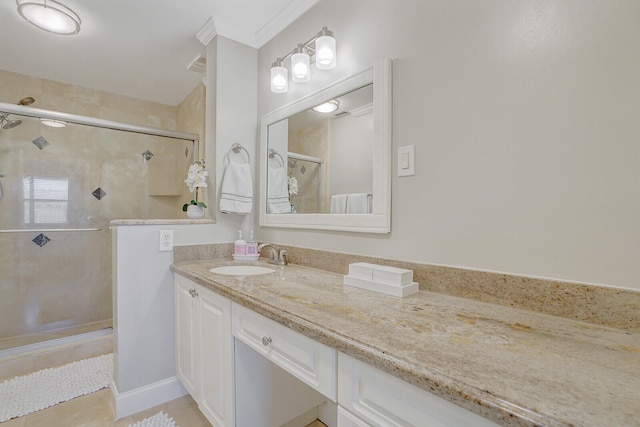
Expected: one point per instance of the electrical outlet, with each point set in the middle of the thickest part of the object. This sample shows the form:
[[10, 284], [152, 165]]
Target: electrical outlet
[[166, 241]]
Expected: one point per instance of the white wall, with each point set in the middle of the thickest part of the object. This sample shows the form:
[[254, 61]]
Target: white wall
[[351, 154], [231, 117], [525, 119], [143, 306]]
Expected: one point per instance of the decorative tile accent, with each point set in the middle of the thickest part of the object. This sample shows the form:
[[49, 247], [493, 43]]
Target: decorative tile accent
[[41, 240], [40, 142], [99, 193], [186, 152], [147, 155], [303, 169]]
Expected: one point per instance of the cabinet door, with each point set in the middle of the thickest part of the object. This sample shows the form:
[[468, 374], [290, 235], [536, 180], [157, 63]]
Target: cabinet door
[[382, 400], [186, 353], [216, 358]]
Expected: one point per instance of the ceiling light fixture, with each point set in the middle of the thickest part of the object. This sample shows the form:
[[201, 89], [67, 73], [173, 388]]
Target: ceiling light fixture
[[53, 123], [322, 46], [49, 15], [327, 107]]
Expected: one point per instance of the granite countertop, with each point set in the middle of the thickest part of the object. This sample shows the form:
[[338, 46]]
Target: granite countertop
[[515, 367]]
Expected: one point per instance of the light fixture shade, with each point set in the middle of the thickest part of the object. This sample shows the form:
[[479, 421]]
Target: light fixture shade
[[49, 15], [327, 107], [53, 123], [325, 52], [300, 67], [279, 78]]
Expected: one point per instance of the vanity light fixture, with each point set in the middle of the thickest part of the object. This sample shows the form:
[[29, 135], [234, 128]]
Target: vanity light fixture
[[327, 107], [325, 50], [49, 15], [322, 46], [53, 123], [279, 77], [300, 65]]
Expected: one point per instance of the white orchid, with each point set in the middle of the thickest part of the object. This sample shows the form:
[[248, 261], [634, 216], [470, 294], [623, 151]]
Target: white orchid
[[196, 178], [293, 185]]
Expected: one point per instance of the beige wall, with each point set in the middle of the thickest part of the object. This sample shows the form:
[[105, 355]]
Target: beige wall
[[524, 117]]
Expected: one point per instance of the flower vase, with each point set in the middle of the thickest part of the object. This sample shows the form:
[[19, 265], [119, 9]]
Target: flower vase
[[195, 212]]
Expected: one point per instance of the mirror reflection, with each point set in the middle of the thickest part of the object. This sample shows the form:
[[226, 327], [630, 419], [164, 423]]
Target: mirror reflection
[[320, 160]]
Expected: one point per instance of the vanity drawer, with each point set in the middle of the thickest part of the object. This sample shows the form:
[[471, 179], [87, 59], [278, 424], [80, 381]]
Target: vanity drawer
[[383, 400], [310, 361]]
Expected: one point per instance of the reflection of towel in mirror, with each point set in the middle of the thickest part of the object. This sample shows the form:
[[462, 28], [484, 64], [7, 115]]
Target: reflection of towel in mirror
[[277, 191], [358, 203], [338, 203], [236, 195]]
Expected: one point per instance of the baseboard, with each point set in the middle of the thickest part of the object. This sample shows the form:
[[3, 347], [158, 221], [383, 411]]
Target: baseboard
[[134, 401]]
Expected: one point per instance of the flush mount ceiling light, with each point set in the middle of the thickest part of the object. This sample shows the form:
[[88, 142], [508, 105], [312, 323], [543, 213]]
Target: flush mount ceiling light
[[327, 107], [53, 123], [322, 46], [49, 15]]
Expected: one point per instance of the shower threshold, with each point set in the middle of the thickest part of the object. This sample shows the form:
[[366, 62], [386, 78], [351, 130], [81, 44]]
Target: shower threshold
[[33, 342]]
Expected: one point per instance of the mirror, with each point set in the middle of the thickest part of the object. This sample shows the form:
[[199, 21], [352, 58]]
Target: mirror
[[330, 170]]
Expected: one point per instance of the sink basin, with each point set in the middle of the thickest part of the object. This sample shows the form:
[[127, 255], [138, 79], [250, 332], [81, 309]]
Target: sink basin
[[242, 270]]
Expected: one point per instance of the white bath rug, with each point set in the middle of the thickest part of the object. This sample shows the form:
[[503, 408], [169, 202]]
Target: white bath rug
[[158, 420], [30, 393]]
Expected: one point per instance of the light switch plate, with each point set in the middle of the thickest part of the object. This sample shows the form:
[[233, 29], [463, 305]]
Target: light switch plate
[[406, 160]]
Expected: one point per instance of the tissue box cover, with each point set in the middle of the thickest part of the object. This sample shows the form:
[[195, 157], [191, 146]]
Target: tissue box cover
[[361, 270], [392, 275]]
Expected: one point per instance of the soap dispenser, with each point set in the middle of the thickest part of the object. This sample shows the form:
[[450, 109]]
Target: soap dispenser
[[252, 246], [240, 247]]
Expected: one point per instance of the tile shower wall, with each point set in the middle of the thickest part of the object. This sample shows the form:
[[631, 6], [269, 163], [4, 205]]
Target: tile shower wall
[[78, 177]]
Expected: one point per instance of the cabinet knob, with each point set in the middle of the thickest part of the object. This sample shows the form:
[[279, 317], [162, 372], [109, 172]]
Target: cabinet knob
[[193, 293], [266, 341]]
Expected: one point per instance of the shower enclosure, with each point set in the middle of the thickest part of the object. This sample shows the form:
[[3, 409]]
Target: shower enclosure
[[307, 171], [60, 188]]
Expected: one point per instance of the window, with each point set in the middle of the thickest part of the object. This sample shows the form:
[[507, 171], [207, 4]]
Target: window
[[46, 200]]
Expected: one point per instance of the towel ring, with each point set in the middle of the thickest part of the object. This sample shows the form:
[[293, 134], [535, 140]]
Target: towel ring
[[273, 153], [236, 148]]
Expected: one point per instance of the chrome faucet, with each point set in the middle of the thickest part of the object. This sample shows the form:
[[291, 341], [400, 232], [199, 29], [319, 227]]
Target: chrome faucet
[[276, 255]]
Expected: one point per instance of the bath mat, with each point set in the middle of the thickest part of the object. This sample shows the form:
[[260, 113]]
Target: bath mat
[[42, 389], [158, 420]]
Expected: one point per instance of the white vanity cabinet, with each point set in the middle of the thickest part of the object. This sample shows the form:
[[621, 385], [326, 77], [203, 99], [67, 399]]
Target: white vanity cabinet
[[370, 397], [207, 357], [204, 349]]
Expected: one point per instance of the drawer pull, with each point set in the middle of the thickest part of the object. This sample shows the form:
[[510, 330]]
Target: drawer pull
[[266, 341]]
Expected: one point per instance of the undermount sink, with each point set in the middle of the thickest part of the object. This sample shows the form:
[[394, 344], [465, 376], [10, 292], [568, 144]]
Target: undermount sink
[[242, 270]]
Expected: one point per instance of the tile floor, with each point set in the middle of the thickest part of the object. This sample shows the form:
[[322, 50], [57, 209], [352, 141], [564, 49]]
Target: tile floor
[[94, 410]]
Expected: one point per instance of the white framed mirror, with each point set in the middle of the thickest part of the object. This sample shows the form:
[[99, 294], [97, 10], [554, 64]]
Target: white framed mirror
[[330, 171]]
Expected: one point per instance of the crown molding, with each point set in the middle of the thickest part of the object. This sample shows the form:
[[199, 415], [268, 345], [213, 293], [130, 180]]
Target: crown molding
[[282, 20], [207, 32], [244, 37]]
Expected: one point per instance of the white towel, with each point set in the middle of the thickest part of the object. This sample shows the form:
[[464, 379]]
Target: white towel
[[236, 195], [358, 203], [277, 191], [338, 203]]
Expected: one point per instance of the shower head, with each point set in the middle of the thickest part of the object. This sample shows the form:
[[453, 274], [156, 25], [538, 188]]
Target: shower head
[[26, 101], [9, 124], [6, 122]]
